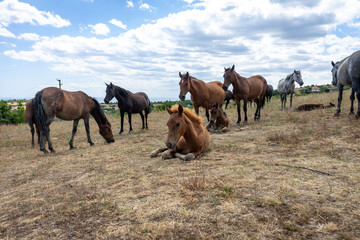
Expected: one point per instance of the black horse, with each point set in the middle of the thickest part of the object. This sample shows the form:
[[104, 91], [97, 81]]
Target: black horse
[[269, 92], [229, 96], [347, 73], [129, 103]]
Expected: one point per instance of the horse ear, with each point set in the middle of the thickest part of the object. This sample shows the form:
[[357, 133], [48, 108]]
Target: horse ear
[[106, 84], [294, 71], [111, 84], [180, 75], [332, 63], [168, 109], [187, 75], [180, 109], [233, 67]]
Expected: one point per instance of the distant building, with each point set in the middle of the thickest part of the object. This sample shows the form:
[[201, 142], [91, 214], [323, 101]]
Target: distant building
[[315, 89]]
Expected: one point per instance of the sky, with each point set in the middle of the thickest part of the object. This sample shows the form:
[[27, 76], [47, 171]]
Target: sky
[[142, 45]]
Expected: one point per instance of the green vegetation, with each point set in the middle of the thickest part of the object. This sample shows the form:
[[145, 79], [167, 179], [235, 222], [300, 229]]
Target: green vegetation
[[9, 116]]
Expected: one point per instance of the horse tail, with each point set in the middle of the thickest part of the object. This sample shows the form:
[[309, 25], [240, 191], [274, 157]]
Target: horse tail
[[262, 103], [148, 105], [40, 116]]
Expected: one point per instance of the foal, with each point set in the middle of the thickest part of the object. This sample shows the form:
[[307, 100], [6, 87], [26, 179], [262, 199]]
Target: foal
[[218, 119]]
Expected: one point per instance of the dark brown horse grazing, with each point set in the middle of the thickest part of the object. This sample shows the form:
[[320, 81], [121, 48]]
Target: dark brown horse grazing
[[252, 88], [29, 115], [51, 102], [219, 120], [187, 137], [128, 102], [202, 94]]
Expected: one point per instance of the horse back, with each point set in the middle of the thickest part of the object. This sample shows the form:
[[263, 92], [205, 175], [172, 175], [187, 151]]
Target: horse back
[[257, 86], [354, 67], [139, 101]]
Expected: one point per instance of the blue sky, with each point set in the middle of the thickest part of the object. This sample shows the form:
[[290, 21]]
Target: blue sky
[[141, 45]]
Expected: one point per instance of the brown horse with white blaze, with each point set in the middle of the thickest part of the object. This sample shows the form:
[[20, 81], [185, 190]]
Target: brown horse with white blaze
[[51, 102], [202, 94], [187, 137], [252, 88]]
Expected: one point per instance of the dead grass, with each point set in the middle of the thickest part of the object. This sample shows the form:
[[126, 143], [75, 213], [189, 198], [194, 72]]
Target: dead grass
[[234, 191]]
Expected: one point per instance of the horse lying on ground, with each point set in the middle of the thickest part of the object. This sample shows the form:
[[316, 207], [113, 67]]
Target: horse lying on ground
[[187, 137], [218, 119], [51, 102], [312, 106], [29, 115]]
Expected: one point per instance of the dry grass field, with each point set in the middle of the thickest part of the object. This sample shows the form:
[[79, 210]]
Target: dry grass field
[[240, 189]]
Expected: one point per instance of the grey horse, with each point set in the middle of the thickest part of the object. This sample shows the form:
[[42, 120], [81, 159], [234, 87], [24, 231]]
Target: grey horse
[[287, 86], [347, 73]]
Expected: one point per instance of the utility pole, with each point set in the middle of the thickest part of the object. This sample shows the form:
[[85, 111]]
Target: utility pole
[[59, 80]]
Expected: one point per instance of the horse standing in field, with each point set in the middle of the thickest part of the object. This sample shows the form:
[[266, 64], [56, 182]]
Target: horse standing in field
[[228, 96], [252, 88], [129, 103], [269, 92], [29, 115], [218, 120], [347, 73], [51, 102], [187, 137], [287, 86], [202, 94]]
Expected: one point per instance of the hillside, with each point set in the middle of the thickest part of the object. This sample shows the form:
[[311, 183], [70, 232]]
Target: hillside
[[245, 187]]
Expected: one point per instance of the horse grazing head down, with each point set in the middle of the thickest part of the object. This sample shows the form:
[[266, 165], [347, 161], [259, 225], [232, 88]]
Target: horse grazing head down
[[105, 131], [229, 77], [334, 71], [184, 85], [177, 126], [109, 93]]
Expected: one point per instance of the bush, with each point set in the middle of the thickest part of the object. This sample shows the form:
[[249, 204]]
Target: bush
[[8, 116]]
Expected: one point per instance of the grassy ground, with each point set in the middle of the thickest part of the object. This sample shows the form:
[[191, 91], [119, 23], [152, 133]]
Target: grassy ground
[[240, 189]]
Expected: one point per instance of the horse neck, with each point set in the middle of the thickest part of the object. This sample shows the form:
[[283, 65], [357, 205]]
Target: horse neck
[[194, 86], [120, 94], [100, 120], [238, 81], [190, 134]]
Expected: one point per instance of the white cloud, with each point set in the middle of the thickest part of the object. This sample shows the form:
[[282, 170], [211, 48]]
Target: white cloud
[[15, 12], [130, 4], [117, 23], [214, 34], [146, 7], [99, 29], [5, 33], [30, 36]]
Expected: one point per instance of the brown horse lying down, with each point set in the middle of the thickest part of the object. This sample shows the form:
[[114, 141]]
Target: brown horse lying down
[[218, 119], [312, 106], [187, 137]]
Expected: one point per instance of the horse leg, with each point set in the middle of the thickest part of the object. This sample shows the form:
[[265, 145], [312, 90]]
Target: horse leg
[[291, 98], [187, 157], [245, 112], [157, 151], [42, 141], [48, 139], [282, 101], [129, 117], [121, 121], [356, 87], [352, 98], [74, 130], [142, 118], [338, 109], [227, 102], [146, 118], [87, 129], [32, 134], [256, 117], [238, 111]]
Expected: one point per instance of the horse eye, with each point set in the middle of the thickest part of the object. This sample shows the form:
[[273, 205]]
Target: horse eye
[[178, 124]]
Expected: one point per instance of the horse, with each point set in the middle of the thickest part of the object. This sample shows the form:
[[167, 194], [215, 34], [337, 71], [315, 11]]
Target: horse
[[187, 137], [29, 115], [202, 94], [269, 92], [129, 103], [312, 106], [228, 96], [51, 102], [347, 73], [252, 88], [287, 86], [219, 120]]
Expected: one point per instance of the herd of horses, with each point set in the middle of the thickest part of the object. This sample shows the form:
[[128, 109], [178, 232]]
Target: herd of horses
[[187, 137]]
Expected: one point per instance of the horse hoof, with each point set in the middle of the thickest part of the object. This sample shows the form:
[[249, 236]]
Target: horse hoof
[[153, 154], [237, 124], [245, 123], [189, 157], [45, 151]]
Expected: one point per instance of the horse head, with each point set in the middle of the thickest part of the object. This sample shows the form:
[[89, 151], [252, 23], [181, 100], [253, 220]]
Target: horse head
[[334, 72], [228, 77], [109, 93], [214, 112], [176, 125], [184, 85], [105, 131], [298, 77]]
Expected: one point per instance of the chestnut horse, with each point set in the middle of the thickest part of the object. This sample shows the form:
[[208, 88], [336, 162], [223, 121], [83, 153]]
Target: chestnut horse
[[252, 88], [51, 102], [29, 115], [218, 119], [202, 94], [187, 137]]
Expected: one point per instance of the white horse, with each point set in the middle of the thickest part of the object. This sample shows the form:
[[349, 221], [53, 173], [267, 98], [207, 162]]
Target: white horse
[[287, 86]]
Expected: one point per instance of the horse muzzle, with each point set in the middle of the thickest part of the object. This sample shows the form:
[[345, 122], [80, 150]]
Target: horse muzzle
[[110, 140], [182, 97], [106, 101], [224, 87], [170, 145]]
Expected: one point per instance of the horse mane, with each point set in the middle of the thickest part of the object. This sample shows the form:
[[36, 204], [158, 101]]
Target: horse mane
[[192, 116], [100, 111], [121, 90]]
